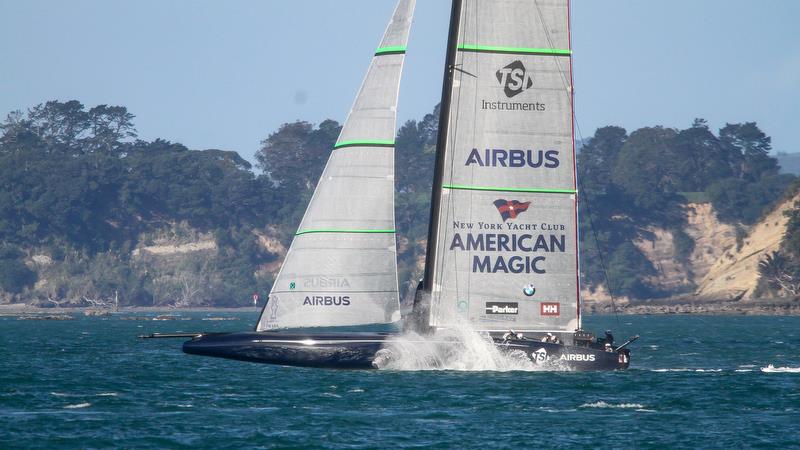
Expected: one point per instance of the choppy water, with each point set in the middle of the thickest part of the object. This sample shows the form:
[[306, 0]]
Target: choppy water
[[695, 382]]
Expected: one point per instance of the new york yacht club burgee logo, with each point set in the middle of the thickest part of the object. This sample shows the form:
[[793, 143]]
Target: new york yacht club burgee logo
[[510, 209]]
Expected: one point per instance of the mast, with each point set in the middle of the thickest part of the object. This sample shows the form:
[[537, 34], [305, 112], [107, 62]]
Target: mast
[[419, 320], [441, 142]]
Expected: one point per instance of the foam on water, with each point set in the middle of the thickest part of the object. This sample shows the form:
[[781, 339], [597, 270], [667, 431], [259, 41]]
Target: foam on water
[[78, 406], [772, 369], [462, 349], [602, 404]]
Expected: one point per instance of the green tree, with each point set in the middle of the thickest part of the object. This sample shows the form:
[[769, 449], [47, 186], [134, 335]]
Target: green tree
[[751, 147]]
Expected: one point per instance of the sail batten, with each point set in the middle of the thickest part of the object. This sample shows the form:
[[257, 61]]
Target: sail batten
[[504, 250], [391, 50], [364, 143], [330, 230], [518, 50], [509, 189], [341, 269]]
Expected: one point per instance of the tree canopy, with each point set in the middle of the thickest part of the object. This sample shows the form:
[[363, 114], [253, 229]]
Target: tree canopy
[[80, 188]]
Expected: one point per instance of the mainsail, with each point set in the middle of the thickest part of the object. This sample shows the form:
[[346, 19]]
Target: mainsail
[[503, 243], [341, 268]]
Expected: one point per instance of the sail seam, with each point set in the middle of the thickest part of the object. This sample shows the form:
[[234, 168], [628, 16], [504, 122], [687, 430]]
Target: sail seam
[[336, 230], [506, 189], [391, 50], [519, 50], [364, 143]]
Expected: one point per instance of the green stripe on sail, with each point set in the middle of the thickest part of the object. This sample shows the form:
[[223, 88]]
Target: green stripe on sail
[[520, 50], [503, 189], [364, 143], [337, 230], [391, 50]]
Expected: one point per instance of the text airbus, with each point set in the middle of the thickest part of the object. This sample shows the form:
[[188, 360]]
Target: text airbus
[[498, 157]]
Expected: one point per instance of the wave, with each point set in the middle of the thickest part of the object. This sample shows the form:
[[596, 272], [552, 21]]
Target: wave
[[686, 370], [101, 394], [78, 405], [772, 369], [602, 404]]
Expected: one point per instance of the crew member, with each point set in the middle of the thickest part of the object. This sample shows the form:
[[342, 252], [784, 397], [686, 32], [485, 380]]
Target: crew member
[[609, 338], [510, 334]]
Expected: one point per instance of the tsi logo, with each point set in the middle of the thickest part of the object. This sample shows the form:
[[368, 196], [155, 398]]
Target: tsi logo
[[504, 308], [539, 356], [550, 309], [514, 79]]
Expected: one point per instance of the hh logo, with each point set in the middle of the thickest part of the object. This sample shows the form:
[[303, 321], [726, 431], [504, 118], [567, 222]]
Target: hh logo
[[514, 78], [510, 209], [550, 309]]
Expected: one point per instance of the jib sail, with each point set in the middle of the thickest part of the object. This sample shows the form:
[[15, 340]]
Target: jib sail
[[341, 268], [503, 243]]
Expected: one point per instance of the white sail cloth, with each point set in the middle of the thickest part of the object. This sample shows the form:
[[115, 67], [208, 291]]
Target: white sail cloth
[[341, 268], [506, 253]]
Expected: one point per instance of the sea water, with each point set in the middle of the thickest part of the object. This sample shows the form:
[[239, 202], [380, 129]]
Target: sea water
[[695, 381]]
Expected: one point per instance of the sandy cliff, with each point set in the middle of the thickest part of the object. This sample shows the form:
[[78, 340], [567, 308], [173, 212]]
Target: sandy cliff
[[735, 273]]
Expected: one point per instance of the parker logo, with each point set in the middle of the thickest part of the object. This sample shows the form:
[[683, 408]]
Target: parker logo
[[510, 209], [502, 308], [550, 309], [514, 79]]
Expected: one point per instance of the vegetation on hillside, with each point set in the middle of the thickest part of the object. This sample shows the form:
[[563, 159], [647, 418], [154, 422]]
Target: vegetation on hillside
[[630, 182], [86, 207]]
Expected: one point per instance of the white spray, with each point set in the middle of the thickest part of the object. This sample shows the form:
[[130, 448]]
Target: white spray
[[460, 348]]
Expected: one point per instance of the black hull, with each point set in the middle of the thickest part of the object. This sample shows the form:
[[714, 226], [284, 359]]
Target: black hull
[[358, 350], [336, 351], [566, 357]]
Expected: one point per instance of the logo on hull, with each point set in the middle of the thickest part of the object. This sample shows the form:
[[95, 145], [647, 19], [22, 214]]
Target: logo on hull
[[539, 356], [577, 357]]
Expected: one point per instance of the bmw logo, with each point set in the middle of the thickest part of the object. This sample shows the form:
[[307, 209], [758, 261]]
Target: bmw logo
[[529, 290]]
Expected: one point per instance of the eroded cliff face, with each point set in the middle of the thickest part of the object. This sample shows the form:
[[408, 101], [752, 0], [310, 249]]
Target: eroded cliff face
[[720, 267], [711, 237], [735, 273]]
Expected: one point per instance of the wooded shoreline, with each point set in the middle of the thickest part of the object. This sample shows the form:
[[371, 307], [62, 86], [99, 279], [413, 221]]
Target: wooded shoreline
[[698, 306]]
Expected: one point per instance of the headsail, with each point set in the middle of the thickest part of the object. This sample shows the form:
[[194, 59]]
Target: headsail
[[341, 268], [503, 245]]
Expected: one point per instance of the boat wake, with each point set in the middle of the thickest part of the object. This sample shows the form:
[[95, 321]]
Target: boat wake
[[602, 404], [772, 369]]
